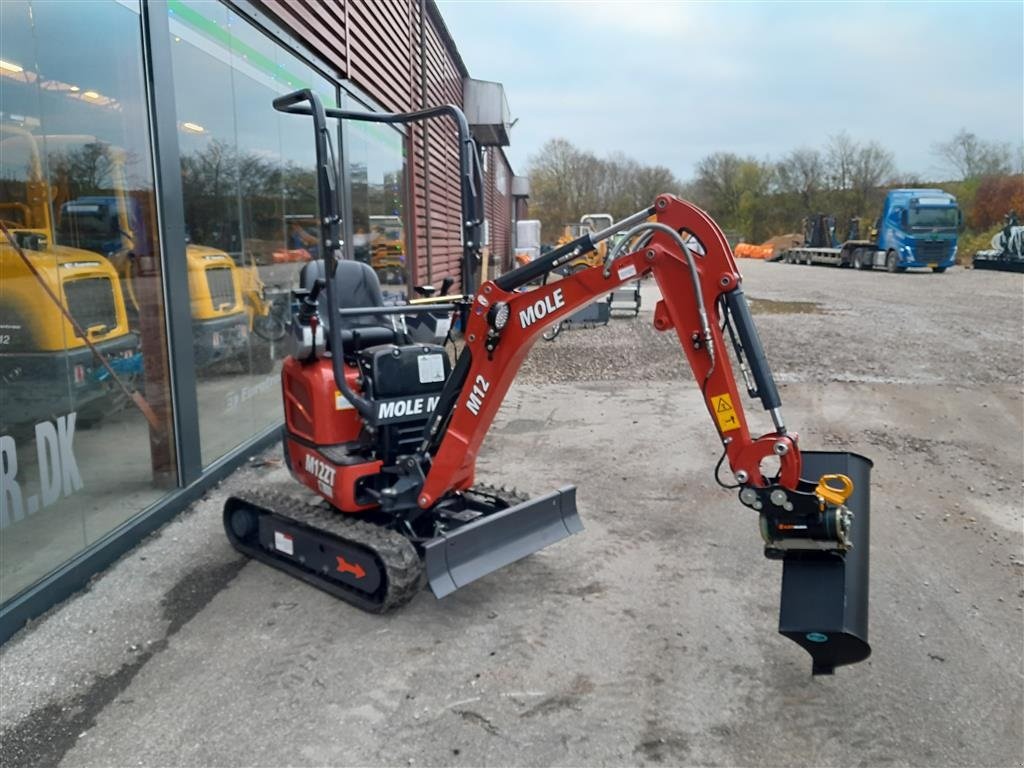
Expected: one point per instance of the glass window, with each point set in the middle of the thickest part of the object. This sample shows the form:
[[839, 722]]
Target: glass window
[[81, 307], [929, 218], [249, 186], [376, 156]]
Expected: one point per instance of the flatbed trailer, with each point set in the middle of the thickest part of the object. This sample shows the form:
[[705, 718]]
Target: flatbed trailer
[[862, 254]]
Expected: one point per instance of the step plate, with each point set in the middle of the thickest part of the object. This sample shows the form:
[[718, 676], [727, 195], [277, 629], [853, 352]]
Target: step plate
[[456, 558]]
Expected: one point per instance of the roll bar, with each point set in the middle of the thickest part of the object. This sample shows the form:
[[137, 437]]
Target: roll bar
[[305, 102]]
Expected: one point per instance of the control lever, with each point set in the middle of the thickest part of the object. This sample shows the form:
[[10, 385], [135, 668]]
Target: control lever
[[309, 300]]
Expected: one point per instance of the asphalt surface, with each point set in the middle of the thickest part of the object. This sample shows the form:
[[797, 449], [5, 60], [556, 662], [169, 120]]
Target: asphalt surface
[[648, 639]]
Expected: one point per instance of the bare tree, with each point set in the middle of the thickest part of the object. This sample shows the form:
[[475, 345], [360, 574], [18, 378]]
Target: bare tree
[[717, 185], [841, 156], [972, 157], [871, 165], [567, 183], [802, 173]]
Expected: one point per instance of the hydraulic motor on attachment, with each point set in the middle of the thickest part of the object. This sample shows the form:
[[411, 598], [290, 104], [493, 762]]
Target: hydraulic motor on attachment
[[387, 431]]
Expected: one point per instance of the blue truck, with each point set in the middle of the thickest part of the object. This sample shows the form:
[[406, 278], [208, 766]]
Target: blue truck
[[917, 229]]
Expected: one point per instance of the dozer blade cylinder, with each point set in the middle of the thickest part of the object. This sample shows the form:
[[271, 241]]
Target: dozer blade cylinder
[[456, 558], [824, 604]]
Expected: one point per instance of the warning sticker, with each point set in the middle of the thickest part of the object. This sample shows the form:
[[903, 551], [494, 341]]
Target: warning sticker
[[283, 543], [627, 272], [724, 412], [341, 403], [431, 368]]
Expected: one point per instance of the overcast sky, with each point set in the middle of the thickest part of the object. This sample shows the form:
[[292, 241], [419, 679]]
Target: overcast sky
[[669, 83]]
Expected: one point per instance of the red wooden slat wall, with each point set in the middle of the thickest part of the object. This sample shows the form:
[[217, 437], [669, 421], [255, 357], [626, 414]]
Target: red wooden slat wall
[[498, 205], [377, 44]]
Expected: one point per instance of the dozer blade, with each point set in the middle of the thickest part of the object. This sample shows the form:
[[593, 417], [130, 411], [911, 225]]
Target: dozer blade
[[458, 557], [825, 595]]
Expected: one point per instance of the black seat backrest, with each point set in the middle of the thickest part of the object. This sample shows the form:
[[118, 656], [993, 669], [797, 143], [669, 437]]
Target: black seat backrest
[[355, 285]]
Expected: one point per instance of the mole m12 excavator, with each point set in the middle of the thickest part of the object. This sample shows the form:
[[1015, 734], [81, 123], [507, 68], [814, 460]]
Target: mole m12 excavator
[[388, 431]]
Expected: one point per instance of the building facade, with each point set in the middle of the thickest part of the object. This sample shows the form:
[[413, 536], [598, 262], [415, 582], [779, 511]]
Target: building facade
[[157, 213]]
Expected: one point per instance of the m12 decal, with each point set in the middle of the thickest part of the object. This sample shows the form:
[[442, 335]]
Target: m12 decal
[[323, 473], [541, 308], [476, 395]]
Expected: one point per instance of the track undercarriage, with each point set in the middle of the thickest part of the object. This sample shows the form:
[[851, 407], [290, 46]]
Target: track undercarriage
[[378, 564]]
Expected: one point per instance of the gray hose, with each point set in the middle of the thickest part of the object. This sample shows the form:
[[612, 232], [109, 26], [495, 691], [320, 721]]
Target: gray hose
[[657, 226]]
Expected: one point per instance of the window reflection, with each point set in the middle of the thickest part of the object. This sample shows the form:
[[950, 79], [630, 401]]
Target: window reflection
[[77, 458], [249, 191], [377, 166]]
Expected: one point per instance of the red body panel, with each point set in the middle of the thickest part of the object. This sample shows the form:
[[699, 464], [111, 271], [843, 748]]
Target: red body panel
[[312, 400], [335, 482], [316, 414]]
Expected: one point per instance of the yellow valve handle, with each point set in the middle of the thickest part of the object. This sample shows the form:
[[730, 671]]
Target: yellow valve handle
[[828, 491]]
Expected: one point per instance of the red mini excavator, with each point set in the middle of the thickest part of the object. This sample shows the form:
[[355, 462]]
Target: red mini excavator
[[387, 431]]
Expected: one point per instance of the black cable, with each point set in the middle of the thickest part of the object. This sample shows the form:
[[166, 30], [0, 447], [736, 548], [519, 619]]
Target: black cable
[[718, 468]]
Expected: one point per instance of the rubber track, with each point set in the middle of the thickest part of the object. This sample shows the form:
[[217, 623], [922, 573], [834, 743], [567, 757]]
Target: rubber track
[[404, 574]]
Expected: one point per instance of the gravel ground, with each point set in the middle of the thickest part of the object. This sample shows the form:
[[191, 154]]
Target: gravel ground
[[649, 639], [822, 325]]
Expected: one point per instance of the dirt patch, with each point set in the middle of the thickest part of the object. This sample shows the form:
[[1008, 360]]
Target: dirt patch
[[773, 307]]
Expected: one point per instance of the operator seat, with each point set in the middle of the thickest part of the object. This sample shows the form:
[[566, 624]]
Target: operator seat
[[355, 284]]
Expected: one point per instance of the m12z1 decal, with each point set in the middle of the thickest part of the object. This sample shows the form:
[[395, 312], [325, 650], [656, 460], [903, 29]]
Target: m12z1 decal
[[323, 473]]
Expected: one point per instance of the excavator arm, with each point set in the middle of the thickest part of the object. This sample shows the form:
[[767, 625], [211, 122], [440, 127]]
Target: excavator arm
[[698, 303], [806, 523]]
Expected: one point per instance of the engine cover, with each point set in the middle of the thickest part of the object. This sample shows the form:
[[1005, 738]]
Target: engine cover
[[405, 383]]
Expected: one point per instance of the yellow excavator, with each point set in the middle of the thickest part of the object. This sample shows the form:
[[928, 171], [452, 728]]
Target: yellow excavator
[[46, 366], [588, 224], [227, 300]]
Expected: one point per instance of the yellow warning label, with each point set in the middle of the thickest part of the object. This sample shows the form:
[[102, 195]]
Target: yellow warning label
[[724, 412]]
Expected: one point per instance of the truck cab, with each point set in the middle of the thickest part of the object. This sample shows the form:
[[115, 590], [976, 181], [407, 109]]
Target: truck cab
[[918, 228]]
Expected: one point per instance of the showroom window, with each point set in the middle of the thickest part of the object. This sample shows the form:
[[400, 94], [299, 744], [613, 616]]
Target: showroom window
[[86, 435], [249, 187], [376, 159]]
